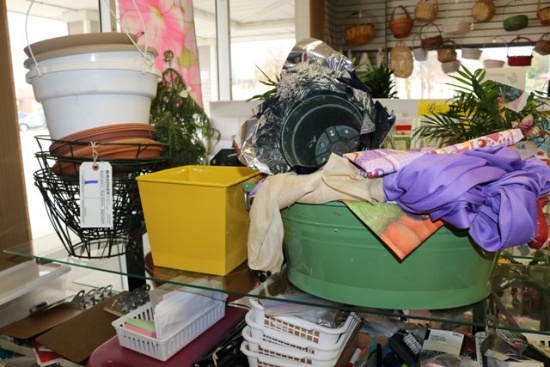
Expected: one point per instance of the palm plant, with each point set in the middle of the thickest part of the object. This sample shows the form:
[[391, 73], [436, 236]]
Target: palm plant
[[272, 83], [379, 80], [478, 109]]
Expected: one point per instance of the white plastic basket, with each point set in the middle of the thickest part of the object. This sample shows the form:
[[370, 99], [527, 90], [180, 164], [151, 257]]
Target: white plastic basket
[[255, 359], [256, 335], [165, 348], [295, 350], [288, 325]]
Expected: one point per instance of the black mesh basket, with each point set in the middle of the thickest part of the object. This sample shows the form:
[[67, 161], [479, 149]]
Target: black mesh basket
[[58, 182]]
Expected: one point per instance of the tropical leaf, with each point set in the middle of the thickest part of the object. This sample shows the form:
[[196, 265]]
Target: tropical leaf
[[477, 109]]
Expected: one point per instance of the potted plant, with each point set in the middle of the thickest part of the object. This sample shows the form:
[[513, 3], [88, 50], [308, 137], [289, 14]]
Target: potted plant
[[379, 80], [480, 107], [180, 122]]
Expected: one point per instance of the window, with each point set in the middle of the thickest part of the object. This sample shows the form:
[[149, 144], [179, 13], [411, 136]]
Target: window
[[261, 37]]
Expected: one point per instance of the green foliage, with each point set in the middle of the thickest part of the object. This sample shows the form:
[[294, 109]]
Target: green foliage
[[476, 109], [273, 83], [180, 122], [379, 80]]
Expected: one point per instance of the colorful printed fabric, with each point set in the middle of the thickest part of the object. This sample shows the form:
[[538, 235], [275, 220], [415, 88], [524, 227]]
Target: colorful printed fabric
[[167, 25], [402, 232], [380, 162], [491, 192]]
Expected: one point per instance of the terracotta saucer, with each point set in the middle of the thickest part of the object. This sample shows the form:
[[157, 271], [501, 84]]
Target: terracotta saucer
[[130, 148], [109, 133], [123, 154]]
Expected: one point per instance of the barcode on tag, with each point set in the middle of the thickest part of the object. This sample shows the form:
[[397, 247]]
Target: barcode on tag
[[96, 195]]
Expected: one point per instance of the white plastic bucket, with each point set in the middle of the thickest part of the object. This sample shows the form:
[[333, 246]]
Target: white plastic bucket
[[84, 87]]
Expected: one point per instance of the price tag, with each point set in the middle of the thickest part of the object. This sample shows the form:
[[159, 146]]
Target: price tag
[[96, 195], [443, 341]]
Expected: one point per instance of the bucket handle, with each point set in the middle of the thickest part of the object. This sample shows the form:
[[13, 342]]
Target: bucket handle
[[149, 60], [143, 53]]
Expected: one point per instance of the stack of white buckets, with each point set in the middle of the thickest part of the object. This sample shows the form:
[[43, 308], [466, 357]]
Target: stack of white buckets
[[92, 80]]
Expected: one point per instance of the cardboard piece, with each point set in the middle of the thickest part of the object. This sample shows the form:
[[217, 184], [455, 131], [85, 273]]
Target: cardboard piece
[[359, 340], [40, 322], [78, 337]]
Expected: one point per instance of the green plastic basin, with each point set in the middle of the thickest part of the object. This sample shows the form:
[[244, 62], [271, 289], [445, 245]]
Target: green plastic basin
[[331, 254]]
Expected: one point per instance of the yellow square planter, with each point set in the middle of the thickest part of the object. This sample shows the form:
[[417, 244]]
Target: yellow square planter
[[195, 217]]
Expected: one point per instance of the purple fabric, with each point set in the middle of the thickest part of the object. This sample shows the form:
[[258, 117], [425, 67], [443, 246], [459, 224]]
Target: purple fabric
[[492, 192]]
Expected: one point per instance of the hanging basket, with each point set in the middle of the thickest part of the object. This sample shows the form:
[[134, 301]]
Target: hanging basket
[[359, 34], [543, 14], [514, 22], [471, 53], [450, 66], [447, 51], [456, 28], [483, 10], [431, 42], [401, 26], [401, 60], [521, 60], [493, 64], [426, 11], [419, 53], [542, 46]]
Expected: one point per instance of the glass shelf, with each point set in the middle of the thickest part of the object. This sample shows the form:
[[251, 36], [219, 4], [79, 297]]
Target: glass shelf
[[245, 282]]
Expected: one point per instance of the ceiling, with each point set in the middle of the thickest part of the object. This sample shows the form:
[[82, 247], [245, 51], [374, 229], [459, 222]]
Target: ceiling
[[249, 19]]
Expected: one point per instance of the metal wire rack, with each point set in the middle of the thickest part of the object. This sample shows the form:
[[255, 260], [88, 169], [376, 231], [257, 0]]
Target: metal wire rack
[[58, 182]]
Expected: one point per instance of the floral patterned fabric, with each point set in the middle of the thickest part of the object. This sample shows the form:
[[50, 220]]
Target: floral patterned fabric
[[166, 25], [380, 162]]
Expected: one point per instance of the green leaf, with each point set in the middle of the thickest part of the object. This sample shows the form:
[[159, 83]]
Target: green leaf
[[475, 111]]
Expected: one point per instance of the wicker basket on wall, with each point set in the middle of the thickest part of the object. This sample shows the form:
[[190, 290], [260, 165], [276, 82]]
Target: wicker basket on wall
[[543, 14], [401, 25], [401, 60], [515, 22], [483, 10], [359, 34], [430, 42], [519, 60], [542, 46], [447, 51], [426, 10]]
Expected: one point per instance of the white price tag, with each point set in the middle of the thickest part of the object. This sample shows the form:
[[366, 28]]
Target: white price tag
[[443, 341], [96, 195]]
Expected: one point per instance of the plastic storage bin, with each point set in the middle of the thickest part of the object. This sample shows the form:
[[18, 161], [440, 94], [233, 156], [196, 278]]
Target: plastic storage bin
[[196, 218], [163, 349], [28, 284]]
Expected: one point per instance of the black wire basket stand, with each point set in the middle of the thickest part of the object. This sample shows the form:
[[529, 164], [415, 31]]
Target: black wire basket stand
[[58, 182]]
